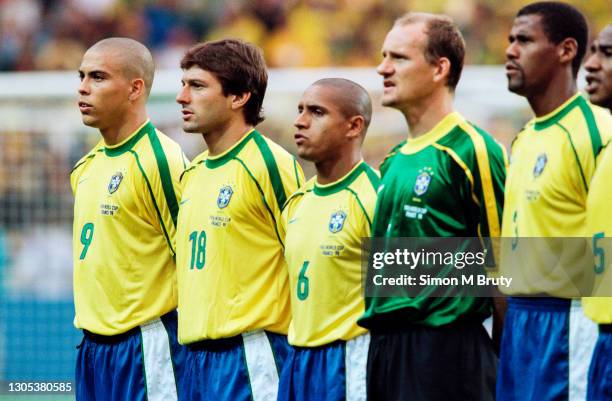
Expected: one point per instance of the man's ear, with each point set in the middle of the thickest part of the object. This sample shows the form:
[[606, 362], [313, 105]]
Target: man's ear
[[137, 89], [441, 69], [356, 127], [567, 50], [238, 101]]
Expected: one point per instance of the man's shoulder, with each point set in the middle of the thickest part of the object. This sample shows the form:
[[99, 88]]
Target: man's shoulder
[[469, 142]]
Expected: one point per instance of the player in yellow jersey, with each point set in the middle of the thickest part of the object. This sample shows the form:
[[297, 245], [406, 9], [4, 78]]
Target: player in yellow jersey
[[233, 288], [548, 341], [599, 224], [126, 193], [324, 222]]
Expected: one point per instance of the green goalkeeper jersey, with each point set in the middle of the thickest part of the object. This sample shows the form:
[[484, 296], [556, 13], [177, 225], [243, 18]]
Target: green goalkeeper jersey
[[448, 182]]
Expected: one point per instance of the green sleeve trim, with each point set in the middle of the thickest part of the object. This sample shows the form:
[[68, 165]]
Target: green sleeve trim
[[569, 137], [263, 198], [275, 178], [119, 150], [190, 168], [164, 174], [362, 208], [297, 173], [87, 158], [293, 196], [592, 125], [161, 221], [372, 176]]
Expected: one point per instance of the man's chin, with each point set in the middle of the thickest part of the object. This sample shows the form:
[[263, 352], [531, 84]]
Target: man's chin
[[303, 154], [191, 129], [515, 86], [601, 101], [388, 102], [89, 121]]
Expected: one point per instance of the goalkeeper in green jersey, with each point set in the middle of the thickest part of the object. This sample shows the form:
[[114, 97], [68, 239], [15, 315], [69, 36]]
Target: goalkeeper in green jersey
[[445, 180]]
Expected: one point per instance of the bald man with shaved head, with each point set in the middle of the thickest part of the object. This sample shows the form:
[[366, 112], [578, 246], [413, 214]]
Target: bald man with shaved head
[[323, 223], [126, 193]]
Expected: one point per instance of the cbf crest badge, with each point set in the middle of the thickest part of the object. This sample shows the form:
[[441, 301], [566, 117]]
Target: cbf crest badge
[[539, 165], [225, 195], [336, 222], [421, 185], [115, 180]]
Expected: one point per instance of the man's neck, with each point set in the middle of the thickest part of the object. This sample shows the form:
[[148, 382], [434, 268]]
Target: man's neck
[[425, 115], [121, 130], [556, 92], [218, 141], [332, 170]]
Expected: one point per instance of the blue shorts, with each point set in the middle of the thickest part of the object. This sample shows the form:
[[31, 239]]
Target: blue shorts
[[600, 372], [334, 372], [142, 364], [546, 350], [241, 368]]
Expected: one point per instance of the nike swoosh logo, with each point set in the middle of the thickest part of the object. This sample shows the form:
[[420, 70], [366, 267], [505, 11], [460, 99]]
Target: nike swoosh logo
[[83, 180], [184, 201], [292, 221]]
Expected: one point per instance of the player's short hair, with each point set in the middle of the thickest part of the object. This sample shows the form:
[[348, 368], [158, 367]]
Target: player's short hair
[[239, 66], [134, 58], [561, 21], [351, 98], [443, 40]]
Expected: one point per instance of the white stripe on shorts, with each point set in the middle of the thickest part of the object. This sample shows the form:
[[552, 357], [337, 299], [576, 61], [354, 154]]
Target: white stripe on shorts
[[159, 373], [355, 360], [583, 334], [261, 365]]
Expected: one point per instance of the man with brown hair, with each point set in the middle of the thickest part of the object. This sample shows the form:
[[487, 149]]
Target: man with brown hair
[[232, 277], [445, 180]]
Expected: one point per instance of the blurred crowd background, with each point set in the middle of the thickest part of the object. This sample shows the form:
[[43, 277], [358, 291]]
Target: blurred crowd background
[[41, 137], [53, 34]]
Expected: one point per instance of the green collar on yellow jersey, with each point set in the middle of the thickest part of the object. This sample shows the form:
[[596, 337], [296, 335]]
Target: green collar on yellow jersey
[[219, 160], [130, 141], [557, 114], [342, 183]]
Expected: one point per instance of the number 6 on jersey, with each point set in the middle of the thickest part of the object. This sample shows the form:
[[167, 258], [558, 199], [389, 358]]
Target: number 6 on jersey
[[302, 284]]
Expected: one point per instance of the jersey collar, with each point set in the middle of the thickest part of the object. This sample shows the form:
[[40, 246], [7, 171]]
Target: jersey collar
[[219, 160], [129, 142], [443, 127], [342, 183], [557, 114]]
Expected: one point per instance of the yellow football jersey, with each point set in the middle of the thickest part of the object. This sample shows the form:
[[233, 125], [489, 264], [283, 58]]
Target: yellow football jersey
[[599, 226], [552, 163], [125, 210], [324, 226], [231, 272]]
